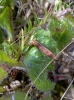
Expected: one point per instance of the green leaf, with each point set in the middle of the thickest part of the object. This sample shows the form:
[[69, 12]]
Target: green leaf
[[6, 22], [35, 61], [67, 35], [5, 59], [11, 50], [5, 64], [70, 17], [6, 48], [3, 73], [62, 31], [18, 96], [5, 3]]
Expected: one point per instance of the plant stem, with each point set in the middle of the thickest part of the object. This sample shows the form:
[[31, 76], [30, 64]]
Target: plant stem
[[67, 90]]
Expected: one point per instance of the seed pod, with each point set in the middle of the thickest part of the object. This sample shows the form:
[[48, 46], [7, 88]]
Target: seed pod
[[43, 49]]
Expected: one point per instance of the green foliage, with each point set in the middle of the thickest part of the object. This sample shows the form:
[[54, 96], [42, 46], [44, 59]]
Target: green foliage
[[5, 22], [62, 31], [35, 61], [2, 89], [69, 17], [3, 73], [6, 59], [18, 96], [5, 3], [11, 50], [67, 36], [6, 48], [31, 24]]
